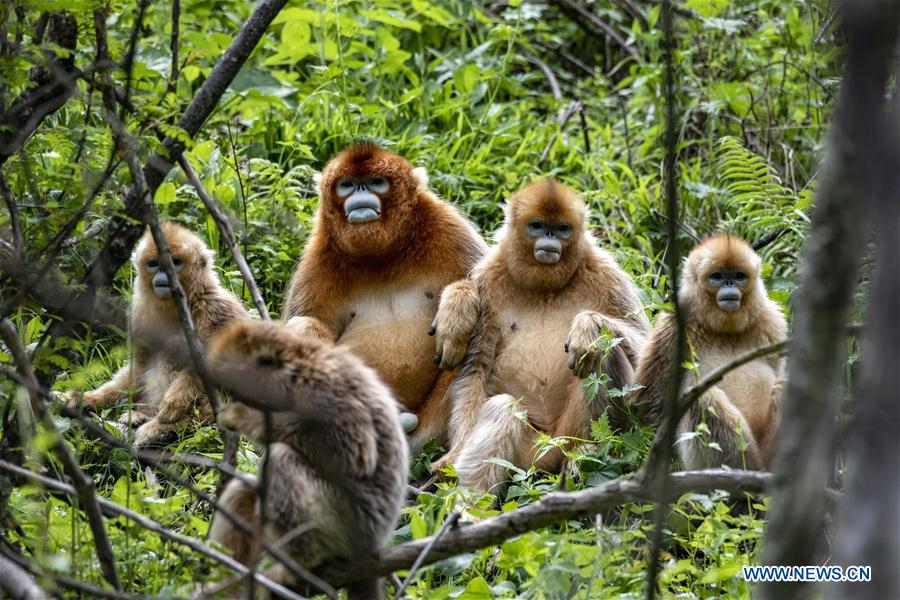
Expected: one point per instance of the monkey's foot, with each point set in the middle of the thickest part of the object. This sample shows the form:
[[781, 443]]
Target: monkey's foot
[[152, 432], [134, 418]]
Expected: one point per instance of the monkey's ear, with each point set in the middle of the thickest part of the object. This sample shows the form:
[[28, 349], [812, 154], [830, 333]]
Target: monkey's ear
[[206, 258], [317, 178], [420, 176]]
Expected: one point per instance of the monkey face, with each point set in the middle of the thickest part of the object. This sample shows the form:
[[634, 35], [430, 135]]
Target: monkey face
[[191, 257], [549, 239], [361, 197], [369, 198], [727, 284], [162, 287]]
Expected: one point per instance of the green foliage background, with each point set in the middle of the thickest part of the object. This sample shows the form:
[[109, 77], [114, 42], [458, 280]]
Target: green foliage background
[[448, 87]]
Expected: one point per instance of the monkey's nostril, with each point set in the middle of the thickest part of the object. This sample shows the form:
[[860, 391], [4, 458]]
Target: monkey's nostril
[[432, 330]]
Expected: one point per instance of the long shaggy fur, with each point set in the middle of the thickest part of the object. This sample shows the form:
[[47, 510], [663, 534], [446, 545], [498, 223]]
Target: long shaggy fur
[[338, 456], [160, 379], [533, 339], [742, 412], [375, 286]]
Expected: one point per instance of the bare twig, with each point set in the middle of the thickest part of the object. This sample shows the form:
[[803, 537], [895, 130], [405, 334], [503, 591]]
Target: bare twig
[[83, 484], [87, 589], [111, 508], [227, 231], [449, 524], [14, 224], [126, 229], [553, 508], [597, 25], [654, 472], [16, 582], [768, 238], [566, 117], [173, 43]]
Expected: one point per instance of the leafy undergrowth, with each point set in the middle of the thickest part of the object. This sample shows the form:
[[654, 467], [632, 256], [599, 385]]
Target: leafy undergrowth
[[448, 87]]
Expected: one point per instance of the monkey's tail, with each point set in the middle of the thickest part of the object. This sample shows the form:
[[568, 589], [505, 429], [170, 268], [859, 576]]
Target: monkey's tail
[[368, 589]]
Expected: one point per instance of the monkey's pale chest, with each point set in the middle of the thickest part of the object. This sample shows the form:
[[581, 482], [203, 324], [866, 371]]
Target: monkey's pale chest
[[749, 387], [531, 363], [389, 332]]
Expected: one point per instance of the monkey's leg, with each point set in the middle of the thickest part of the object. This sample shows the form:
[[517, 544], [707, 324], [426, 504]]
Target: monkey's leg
[[768, 440], [727, 428], [498, 434], [174, 408], [454, 322], [433, 414], [311, 327], [240, 499], [114, 390]]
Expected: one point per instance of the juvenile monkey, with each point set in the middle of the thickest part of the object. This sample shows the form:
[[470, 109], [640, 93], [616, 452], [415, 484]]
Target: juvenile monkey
[[544, 294], [727, 314], [382, 250], [164, 387], [337, 456]]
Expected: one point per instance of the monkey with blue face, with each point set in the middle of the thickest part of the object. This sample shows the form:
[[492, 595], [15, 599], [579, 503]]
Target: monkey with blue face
[[164, 389]]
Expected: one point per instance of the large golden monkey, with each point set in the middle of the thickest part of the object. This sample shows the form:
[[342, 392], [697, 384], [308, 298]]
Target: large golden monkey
[[337, 460], [160, 379], [545, 292], [382, 249], [727, 314]]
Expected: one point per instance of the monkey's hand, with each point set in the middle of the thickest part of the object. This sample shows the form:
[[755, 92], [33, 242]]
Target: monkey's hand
[[311, 327], [438, 466], [454, 322], [586, 353]]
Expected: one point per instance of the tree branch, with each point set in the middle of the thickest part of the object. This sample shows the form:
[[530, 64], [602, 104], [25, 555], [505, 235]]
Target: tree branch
[[227, 231], [16, 582], [553, 508], [127, 228], [833, 250], [54, 84]]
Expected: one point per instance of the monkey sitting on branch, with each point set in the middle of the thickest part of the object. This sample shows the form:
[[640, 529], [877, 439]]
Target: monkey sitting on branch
[[727, 314], [337, 456], [160, 380]]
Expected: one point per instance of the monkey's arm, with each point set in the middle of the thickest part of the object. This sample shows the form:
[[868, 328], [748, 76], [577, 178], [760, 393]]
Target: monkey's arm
[[124, 380], [454, 322], [654, 369], [468, 392]]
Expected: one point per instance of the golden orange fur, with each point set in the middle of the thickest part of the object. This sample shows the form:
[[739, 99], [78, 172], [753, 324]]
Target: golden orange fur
[[375, 286], [743, 411], [534, 338], [159, 379]]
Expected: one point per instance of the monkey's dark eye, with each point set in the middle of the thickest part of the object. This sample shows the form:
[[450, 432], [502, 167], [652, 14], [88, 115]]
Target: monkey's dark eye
[[152, 265], [266, 361], [535, 225], [716, 277], [564, 228], [379, 185], [178, 262], [344, 186], [741, 277]]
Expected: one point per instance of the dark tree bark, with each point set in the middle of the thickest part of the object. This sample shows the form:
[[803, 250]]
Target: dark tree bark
[[53, 84], [828, 278], [868, 530]]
